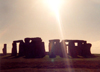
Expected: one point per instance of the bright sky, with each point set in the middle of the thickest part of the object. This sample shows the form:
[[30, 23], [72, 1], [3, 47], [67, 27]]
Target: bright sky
[[50, 19]]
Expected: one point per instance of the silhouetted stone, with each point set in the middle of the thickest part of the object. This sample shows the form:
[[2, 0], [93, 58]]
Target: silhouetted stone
[[63, 50], [79, 48], [54, 47], [21, 48], [73, 50], [42, 49], [51, 50], [18, 41], [4, 49], [27, 47], [58, 48], [86, 50], [37, 39], [35, 48], [39, 49], [14, 49]]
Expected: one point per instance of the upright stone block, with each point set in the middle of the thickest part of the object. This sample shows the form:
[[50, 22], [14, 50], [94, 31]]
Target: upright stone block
[[42, 49], [21, 48], [79, 48], [53, 48], [88, 46], [34, 48], [72, 49], [86, 50], [37, 39], [58, 48], [27, 48], [83, 53], [63, 52], [14, 49], [4, 49], [37, 48]]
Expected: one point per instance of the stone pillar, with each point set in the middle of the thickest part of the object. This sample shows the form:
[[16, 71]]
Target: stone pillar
[[58, 48], [72, 49], [86, 50], [27, 47], [21, 49], [4, 49], [79, 48], [52, 49], [42, 49], [37, 48], [63, 52], [14, 49], [88, 46]]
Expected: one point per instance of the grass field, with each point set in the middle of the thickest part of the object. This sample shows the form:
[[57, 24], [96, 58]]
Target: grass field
[[46, 64]]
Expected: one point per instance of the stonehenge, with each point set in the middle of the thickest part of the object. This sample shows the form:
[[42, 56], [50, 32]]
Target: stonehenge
[[34, 48]]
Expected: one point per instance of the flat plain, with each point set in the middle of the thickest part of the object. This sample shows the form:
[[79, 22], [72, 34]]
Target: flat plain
[[46, 64]]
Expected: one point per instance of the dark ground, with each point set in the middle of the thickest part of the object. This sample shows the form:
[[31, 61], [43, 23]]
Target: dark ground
[[18, 63]]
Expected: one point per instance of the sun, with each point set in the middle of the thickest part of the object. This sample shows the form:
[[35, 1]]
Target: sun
[[54, 5]]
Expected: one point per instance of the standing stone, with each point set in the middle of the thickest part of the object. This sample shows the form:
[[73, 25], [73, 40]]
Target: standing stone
[[27, 47], [52, 49], [21, 49], [4, 49], [33, 49], [79, 48], [63, 52], [14, 49], [42, 50], [72, 49], [88, 52], [37, 48], [83, 53], [58, 48]]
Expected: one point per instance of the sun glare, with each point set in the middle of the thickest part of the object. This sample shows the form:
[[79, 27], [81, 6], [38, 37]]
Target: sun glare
[[54, 5]]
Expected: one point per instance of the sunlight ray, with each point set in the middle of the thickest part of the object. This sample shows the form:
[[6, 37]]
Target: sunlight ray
[[55, 5]]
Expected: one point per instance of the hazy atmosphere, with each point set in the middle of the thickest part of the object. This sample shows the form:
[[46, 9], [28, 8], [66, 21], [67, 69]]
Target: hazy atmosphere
[[50, 19]]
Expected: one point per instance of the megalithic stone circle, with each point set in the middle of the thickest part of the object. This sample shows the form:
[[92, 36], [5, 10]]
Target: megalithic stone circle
[[34, 48]]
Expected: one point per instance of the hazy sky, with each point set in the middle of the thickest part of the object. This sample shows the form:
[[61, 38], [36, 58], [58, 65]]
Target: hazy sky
[[73, 19]]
